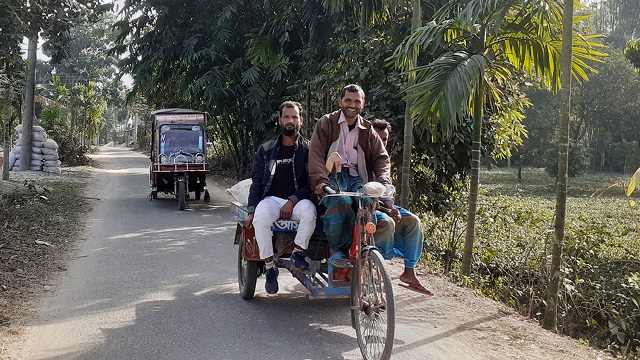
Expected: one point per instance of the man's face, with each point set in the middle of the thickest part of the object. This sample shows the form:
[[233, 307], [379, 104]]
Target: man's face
[[384, 135], [351, 104], [290, 121]]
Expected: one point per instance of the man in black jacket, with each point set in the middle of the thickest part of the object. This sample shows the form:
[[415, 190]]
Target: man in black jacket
[[280, 189]]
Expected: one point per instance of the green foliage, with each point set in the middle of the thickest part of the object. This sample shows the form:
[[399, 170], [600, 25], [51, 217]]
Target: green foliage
[[70, 151], [579, 159], [632, 53], [604, 115], [602, 289], [600, 284]]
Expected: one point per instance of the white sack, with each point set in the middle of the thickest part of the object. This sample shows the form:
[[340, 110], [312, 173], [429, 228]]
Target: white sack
[[50, 144], [49, 151], [38, 136], [240, 191], [12, 160]]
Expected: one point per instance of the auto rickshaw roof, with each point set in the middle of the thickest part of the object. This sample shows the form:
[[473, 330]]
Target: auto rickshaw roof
[[177, 111], [179, 116]]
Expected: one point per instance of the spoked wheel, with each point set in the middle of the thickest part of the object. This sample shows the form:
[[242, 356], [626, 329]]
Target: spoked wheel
[[247, 275], [373, 310], [182, 195]]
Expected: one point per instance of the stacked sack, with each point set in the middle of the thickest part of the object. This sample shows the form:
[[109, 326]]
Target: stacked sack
[[44, 152]]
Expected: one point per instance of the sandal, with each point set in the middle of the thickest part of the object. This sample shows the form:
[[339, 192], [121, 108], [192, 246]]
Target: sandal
[[340, 260]]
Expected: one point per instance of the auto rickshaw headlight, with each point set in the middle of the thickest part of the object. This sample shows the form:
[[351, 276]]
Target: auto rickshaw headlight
[[163, 159]]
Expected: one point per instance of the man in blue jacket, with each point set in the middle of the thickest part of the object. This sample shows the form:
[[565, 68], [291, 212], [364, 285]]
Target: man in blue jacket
[[280, 189], [399, 232]]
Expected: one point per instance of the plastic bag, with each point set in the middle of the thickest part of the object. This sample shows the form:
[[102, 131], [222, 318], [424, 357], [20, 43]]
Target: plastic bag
[[240, 191]]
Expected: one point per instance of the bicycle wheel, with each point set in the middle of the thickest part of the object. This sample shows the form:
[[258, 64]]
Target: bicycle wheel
[[373, 310]]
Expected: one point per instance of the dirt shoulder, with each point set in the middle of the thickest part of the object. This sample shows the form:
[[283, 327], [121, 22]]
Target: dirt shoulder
[[39, 236], [41, 218], [463, 325]]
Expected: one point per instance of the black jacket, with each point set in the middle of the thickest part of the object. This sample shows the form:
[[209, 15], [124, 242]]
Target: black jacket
[[263, 162]]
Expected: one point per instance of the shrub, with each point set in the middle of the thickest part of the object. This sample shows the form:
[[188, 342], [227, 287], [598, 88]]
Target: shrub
[[599, 296]]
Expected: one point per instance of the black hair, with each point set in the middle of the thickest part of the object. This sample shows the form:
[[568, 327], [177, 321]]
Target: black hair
[[352, 88], [380, 124], [290, 104]]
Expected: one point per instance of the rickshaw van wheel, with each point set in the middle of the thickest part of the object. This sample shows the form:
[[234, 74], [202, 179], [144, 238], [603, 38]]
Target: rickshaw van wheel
[[374, 313], [182, 195], [247, 276]]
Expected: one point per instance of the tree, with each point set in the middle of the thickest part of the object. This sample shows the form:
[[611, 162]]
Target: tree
[[550, 315], [9, 94], [54, 18], [416, 22], [481, 50]]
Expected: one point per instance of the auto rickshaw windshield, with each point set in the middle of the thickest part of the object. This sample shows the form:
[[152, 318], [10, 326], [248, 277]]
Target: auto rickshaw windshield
[[173, 138]]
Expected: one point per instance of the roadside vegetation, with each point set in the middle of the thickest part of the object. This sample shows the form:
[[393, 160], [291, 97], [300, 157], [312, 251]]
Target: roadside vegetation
[[39, 222], [600, 275]]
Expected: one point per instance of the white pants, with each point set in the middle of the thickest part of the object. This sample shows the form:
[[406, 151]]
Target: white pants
[[268, 211]]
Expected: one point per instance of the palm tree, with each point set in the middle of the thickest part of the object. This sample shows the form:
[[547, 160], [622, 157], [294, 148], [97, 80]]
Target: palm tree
[[479, 50], [551, 312]]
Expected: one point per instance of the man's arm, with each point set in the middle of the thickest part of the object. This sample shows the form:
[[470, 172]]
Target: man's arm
[[317, 153], [304, 189], [257, 175], [381, 163]]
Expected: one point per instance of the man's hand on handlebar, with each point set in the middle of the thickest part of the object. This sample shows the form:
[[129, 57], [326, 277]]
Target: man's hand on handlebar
[[324, 189]]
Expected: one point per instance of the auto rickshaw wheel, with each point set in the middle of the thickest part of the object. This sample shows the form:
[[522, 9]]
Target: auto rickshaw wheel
[[247, 275], [182, 195]]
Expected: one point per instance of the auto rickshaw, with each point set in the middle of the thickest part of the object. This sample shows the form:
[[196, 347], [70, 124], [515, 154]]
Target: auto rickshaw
[[178, 154]]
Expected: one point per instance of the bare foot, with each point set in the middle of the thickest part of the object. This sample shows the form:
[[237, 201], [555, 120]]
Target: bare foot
[[409, 276], [412, 283]]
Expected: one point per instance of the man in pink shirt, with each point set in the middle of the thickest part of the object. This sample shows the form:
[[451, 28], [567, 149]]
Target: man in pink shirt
[[364, 159]]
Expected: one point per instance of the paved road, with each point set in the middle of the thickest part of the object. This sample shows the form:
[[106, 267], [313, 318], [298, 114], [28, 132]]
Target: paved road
[[152, 282]]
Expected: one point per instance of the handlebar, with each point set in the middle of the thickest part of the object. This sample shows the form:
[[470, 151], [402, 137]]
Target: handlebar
[[328, 190]]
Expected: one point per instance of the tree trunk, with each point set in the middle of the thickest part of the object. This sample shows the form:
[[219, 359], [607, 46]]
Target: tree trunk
[[551, 313], [405, 192], [6, 144], [467, 254], [29, 102]]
